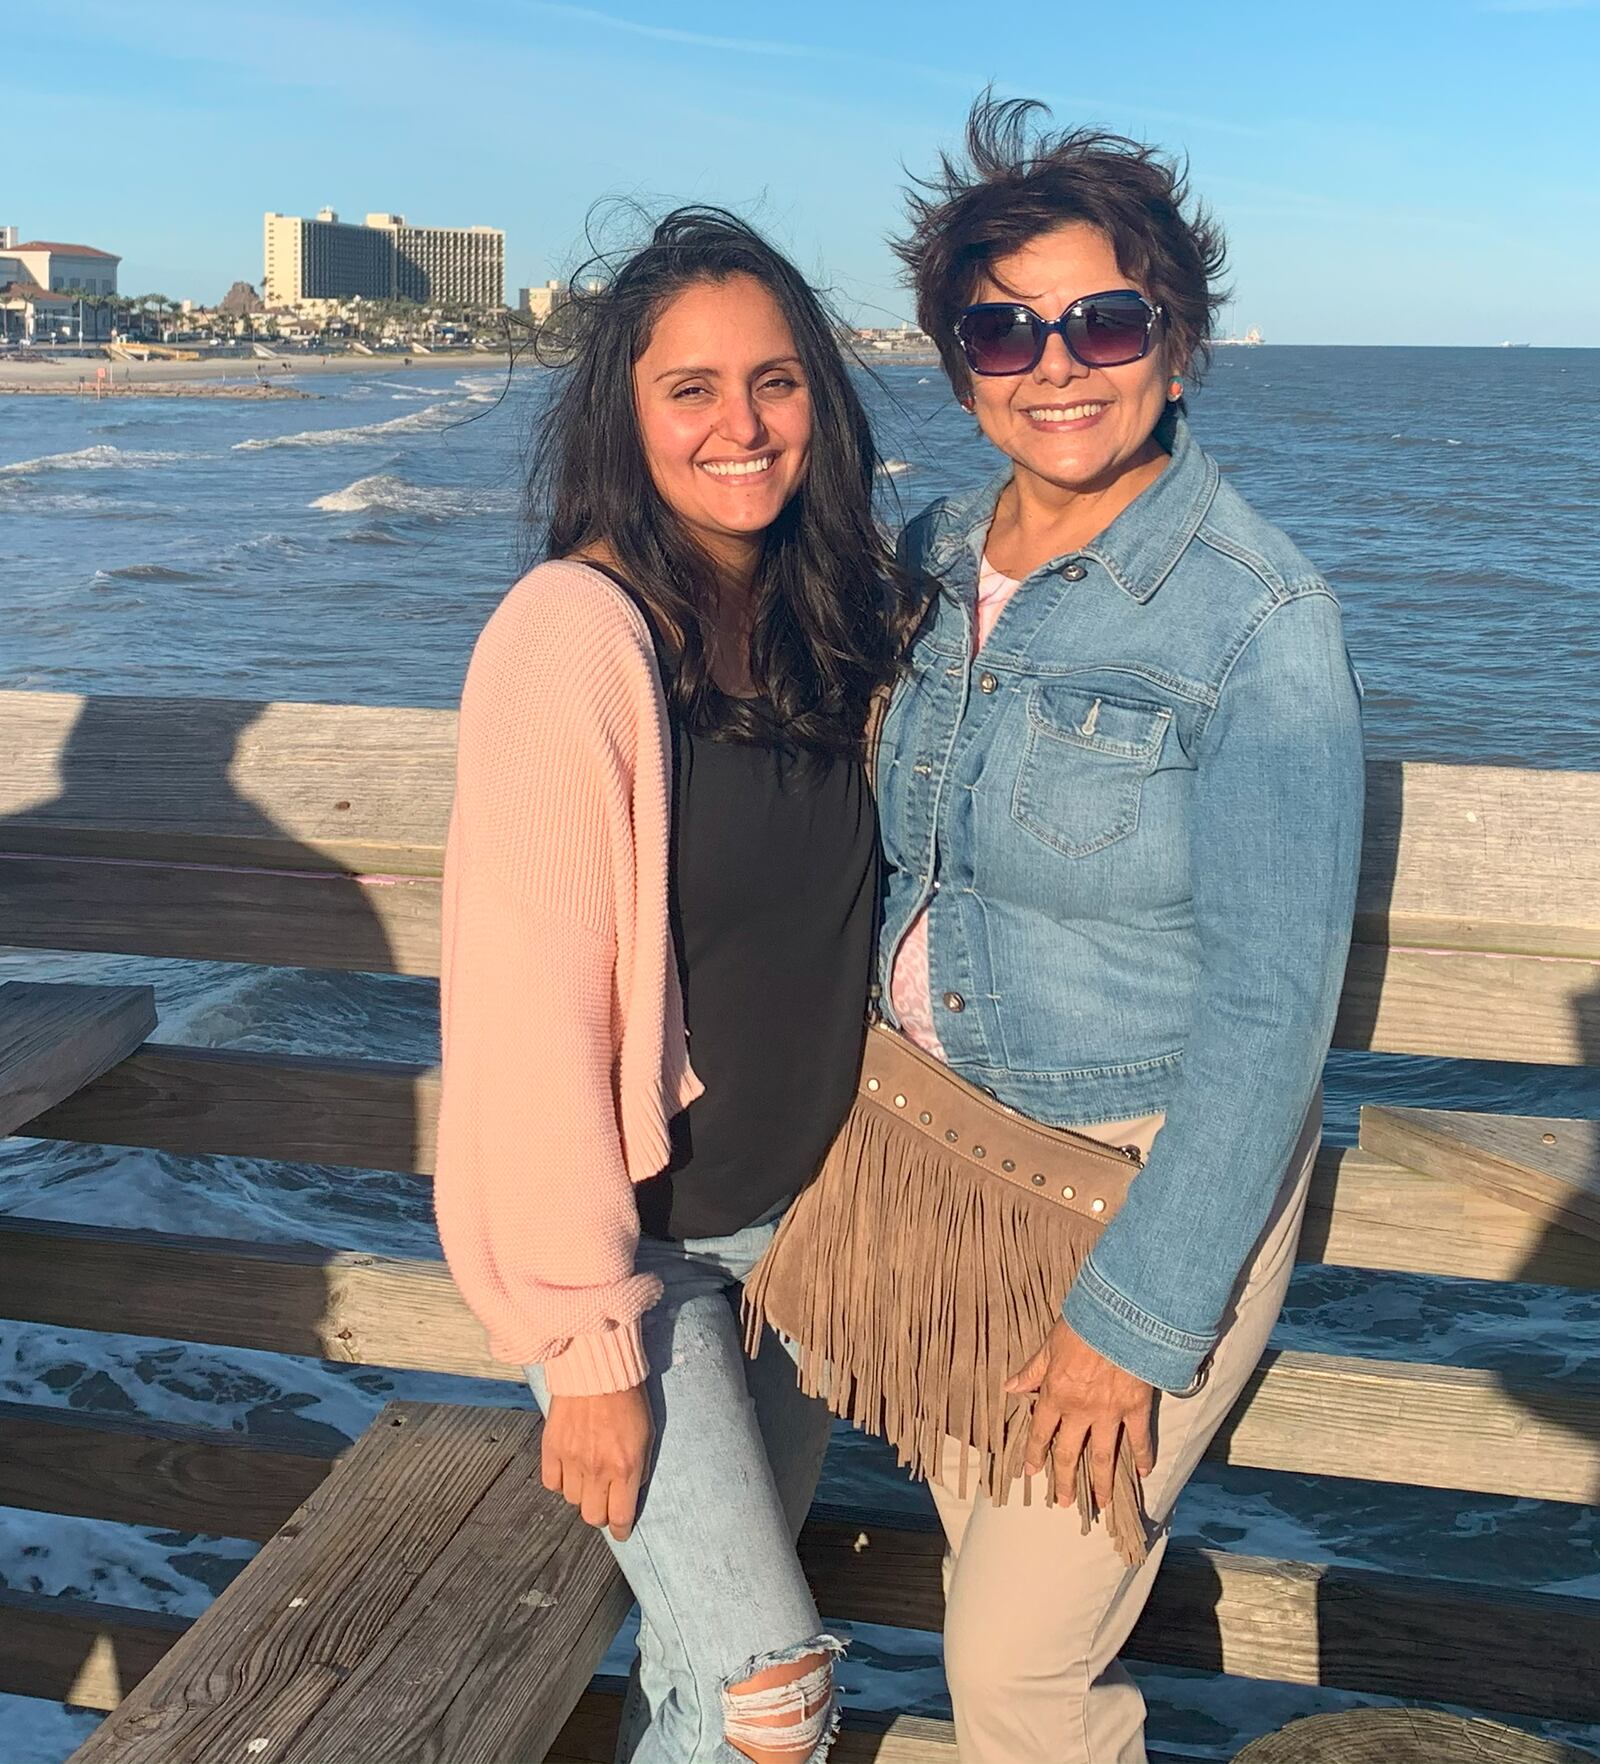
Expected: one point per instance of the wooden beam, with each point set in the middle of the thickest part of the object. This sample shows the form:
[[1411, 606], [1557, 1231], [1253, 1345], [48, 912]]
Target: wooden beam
[[220, 781], [432, 1593], [1440, 1426], [286, 1298], [1542, 1010], [1495, 858], [279, 918], [1550, 1168], [1430, 1426], [1366, 1212], [77, 1650], [1355, 1629], [312, 835], [198, 1101], [355, 787], [138, 1471], [54, 1039]]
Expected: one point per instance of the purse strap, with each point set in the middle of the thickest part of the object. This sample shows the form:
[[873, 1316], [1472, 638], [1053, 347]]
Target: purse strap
[[872, 738]]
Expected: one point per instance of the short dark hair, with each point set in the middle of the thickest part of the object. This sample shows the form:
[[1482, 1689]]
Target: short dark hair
[[832, 610], [1017, 180]]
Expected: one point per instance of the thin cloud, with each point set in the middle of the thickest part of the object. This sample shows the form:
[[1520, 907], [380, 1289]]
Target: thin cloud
[[921, 70], [694, 39]]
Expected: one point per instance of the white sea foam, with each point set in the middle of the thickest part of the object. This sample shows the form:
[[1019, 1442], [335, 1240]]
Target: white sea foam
[[101, 457], [482, 388], [384, 491], [892, 468], [414, 422], [149, 572]]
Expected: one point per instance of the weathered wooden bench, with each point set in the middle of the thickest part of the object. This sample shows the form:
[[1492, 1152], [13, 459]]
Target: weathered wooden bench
[[55, 1038], [311, 836], [429, 1600]]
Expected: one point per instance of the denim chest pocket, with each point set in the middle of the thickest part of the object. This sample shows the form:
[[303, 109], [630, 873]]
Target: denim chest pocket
[[1083, 767]]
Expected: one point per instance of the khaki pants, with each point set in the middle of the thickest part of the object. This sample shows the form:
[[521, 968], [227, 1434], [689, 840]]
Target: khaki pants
[[1035, 1612]]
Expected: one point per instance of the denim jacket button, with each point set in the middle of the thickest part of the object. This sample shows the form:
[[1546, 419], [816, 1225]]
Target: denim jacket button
[[987, 682], [1073, 572], [953, 1001]]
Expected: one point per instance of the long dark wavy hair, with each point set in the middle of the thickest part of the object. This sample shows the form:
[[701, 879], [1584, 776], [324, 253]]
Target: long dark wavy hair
[[832, 611]]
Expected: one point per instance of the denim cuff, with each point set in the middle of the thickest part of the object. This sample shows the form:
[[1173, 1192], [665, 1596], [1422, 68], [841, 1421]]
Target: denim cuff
[[595, 1364], [1167, 1357]]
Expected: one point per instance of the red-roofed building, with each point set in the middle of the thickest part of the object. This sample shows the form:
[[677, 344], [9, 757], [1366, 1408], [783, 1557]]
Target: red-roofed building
[[49, 267], [31, 314]]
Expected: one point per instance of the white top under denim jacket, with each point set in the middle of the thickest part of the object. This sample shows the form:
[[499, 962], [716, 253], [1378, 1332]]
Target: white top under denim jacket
[[1135, 821]]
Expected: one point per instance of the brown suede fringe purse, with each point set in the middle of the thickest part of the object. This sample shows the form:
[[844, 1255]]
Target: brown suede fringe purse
[[926, 1263]]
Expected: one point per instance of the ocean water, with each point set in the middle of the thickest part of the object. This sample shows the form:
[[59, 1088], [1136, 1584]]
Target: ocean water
[[349, 547]]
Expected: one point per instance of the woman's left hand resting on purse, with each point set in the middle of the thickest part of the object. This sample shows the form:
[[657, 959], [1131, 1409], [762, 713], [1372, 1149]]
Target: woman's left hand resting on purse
[[596, 1449], [1082, 1396]]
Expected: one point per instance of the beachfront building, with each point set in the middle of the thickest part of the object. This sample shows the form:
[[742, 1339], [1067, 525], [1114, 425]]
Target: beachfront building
[[446, 266], [324, 259], [539, 303], [893, 337], [40, 284], [382, 258]]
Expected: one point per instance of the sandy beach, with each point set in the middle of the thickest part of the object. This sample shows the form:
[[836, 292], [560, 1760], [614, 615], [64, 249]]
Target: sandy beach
[[226, 377]]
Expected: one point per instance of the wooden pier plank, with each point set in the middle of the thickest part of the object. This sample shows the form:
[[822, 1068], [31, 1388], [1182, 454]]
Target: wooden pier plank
[[223, 781], [1294, 1622], [1494, 858], [1541, 1010], [390, 1597], [1550, 1168], [1317, 1414], [284, 1298], [79, 1651], [1364, 1211], [358, 923], [55, 1038], [138, 1471], [1445, 859], [1490, 1648], [1368, 1212], [303, 1109]]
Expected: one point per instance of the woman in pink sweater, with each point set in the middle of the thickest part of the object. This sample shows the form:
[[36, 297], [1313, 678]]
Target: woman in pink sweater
[[662, 826]]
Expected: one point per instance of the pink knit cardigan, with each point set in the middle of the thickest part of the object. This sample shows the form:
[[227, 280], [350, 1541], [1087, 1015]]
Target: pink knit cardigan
[[563, 1036]]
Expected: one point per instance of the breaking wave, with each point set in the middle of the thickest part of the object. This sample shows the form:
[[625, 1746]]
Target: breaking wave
[[100, 457], [414, 422], [383, 492]]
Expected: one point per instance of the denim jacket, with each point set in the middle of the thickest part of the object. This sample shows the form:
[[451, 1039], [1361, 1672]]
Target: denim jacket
[[1135, 820]]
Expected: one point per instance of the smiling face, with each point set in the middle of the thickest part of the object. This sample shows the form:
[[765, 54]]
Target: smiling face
[[724, 413], [1078, 429]]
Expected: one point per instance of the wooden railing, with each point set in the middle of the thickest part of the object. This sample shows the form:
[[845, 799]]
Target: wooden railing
[[312, 836]]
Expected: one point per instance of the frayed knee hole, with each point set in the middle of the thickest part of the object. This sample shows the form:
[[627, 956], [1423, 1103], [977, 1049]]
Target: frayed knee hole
[[786, 1709]]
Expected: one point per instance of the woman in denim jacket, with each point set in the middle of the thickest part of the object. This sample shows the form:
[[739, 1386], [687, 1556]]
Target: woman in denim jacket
[[1121, 795]]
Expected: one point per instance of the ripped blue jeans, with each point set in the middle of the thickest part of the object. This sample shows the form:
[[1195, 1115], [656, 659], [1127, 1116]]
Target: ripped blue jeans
[[711, 1560]]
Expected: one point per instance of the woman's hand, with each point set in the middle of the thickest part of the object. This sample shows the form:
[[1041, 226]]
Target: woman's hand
[[1083, 1396], [596, 1453]]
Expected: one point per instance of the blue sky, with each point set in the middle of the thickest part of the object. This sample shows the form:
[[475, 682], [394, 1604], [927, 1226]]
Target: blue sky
[[1422, 171]]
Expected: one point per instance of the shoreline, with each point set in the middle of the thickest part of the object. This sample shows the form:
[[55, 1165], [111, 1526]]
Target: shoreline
[[236, 377]]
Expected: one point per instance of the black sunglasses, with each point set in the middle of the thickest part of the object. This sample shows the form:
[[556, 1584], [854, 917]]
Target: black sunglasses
[[1100, 330]]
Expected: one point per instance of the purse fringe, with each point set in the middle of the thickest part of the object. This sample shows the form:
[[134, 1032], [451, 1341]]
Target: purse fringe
[[913, 1289]]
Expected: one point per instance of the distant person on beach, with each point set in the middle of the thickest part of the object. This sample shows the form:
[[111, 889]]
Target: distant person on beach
[[662, 817], [1121, 797]]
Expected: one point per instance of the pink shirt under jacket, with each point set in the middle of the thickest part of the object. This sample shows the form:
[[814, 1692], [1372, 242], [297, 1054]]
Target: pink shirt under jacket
[[563, 1036]]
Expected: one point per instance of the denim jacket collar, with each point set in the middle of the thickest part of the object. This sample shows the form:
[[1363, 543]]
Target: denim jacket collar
[[1140, 547]]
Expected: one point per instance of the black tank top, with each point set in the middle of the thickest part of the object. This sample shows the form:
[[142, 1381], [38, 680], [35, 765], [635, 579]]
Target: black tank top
[[774, 881]]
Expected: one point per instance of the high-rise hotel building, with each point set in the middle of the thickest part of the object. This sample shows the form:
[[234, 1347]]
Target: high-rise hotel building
[[384, 259]]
